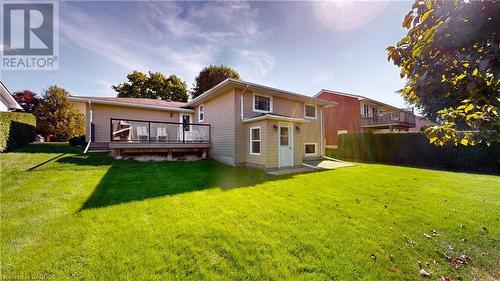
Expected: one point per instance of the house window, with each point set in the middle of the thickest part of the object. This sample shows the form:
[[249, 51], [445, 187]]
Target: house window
[[201, 113], [262, 103], [255, 141], [365, 110], [310, 149], [310, 111], [341, 132]]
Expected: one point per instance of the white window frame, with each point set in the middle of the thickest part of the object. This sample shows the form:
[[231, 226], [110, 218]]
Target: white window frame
[[315, 149], [265, 96], [200, 107], [315, 111], [342, 132], [259, 140]]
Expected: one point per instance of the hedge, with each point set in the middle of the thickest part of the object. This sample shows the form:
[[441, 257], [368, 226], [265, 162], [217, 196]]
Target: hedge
[[78, 141], [16, 129], [414, 149]]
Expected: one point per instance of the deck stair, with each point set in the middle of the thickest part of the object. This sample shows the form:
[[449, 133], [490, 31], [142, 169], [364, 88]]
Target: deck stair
[[99, 147]]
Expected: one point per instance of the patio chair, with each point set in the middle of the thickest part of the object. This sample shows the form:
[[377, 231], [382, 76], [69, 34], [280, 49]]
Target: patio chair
[[161, 133], [187, 135], [142, 133], [203, 136], [195, 136]]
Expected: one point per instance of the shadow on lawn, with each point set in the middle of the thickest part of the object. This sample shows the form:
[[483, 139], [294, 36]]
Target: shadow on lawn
[[49, 147], [128, 181]]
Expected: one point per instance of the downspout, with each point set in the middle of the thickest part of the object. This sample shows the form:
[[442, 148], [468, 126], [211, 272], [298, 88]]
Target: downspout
[[89, 127], [321, 131], [241, 102]]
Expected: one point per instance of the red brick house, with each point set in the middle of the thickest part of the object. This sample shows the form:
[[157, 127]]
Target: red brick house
[[355, 114]]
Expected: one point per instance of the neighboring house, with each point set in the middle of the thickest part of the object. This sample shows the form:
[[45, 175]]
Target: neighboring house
[[7, 102], [421, 123], [356, 114], [236, 122]]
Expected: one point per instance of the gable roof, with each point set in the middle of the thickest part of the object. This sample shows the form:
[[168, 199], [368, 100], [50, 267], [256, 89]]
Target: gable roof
[[7, 96], [134, 102], [231, 82], [358, 97]]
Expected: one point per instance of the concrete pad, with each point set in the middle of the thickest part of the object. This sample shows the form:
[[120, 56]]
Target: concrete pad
[[290, 171], [327, 164]]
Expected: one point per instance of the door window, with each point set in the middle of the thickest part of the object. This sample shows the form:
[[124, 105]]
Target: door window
[[284, 136], [185, 122]]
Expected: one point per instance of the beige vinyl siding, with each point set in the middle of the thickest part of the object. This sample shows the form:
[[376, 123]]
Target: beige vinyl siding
[[310, 132], [220, 114], [272, 145], [258, 160], [241, 133], [103, 113], [281, 106], [3, 104]]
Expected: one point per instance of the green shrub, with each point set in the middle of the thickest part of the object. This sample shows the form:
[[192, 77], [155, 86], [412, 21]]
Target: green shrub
[[78, 141], [414, 149], [16, 129]]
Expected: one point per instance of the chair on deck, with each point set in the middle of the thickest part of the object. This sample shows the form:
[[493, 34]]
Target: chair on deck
[[161, 133], [195, 136], [142, 133]]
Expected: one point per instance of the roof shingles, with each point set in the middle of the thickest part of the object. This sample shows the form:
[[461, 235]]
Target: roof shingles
[[153, 102]]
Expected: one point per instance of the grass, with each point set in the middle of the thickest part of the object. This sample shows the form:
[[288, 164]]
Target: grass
[[68, 215]]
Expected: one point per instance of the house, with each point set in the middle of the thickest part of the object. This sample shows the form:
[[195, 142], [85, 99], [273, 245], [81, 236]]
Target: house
[[236, 122], [7, 102], [421, 123], [356, 114]]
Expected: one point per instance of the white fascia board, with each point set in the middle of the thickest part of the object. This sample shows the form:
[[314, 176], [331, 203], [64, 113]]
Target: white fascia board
[[125, 104]]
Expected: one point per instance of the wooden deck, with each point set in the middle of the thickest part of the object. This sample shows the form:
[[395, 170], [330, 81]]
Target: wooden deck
[[121, 148]]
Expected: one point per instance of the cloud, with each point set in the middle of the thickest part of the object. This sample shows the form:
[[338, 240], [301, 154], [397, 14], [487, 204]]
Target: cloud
[[261, 61], [232, 18], [96, 38], [322, 77], [169, 37]]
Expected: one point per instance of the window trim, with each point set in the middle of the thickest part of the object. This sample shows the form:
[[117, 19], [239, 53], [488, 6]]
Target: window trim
[[315, 111], [342, 132], [265, 96], [259, 140], [199, 112], [315, 149]]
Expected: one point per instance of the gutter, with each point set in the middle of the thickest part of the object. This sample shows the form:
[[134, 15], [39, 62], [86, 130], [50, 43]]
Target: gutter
[[125, 104]]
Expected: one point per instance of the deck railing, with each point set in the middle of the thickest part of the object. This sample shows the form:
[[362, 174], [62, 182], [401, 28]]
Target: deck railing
[[129, 130], [386, 118]]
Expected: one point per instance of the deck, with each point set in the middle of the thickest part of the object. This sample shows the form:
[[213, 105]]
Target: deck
[[148, 137]]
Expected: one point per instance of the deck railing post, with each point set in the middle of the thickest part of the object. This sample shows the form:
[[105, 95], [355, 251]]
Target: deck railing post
[[183, 133], [149, 131]]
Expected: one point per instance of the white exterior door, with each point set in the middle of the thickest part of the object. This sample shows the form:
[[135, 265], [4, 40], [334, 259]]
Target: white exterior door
[[185, 127], [285, 143]]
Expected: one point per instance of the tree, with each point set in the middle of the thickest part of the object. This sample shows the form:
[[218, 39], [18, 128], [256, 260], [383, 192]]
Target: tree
[[27, 100], [450, 58], [153, 85], [58, 116], [211, 76]]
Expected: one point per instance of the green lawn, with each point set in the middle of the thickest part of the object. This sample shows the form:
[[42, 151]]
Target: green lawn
[[89, 217]]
